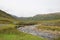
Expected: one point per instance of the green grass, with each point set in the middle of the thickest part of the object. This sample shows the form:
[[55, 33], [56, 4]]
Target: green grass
[[22, 36], [6, 26], [11, 33]]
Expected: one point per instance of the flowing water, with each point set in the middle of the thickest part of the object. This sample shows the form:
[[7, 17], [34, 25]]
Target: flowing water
[[33, 31]]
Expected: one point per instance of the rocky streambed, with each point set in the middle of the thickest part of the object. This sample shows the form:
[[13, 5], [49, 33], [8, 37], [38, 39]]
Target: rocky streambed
[[32, 30]]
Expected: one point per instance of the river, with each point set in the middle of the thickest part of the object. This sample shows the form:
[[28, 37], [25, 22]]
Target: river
[[32, 30]]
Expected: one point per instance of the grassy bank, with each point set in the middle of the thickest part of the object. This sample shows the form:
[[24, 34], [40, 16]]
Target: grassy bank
[[53, 28], [8, 32]]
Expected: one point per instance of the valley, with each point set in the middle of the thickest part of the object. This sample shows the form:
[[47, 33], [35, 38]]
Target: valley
[[38, 27]]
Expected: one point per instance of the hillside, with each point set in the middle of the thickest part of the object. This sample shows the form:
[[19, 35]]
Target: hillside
[[51, 16], [6, 18], [5, 15]]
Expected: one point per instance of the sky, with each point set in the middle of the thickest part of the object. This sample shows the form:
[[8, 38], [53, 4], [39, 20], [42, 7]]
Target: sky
[[26, 8]]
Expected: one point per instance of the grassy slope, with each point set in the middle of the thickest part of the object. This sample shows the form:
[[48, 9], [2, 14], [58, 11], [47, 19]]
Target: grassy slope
[[5, 15], [17, 37], [11, 33], [21, 36], [53, 25], [51, 16], [5, 18], [53, 28]]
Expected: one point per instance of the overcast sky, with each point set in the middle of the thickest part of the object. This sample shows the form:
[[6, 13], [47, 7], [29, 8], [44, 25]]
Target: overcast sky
[[29, 7]]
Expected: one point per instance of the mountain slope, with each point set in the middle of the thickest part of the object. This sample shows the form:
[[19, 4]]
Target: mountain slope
[[5, 15], [51, 16], [6, 18]]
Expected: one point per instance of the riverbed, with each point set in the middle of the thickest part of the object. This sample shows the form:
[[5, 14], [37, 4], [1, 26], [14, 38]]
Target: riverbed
[[32, 30]]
